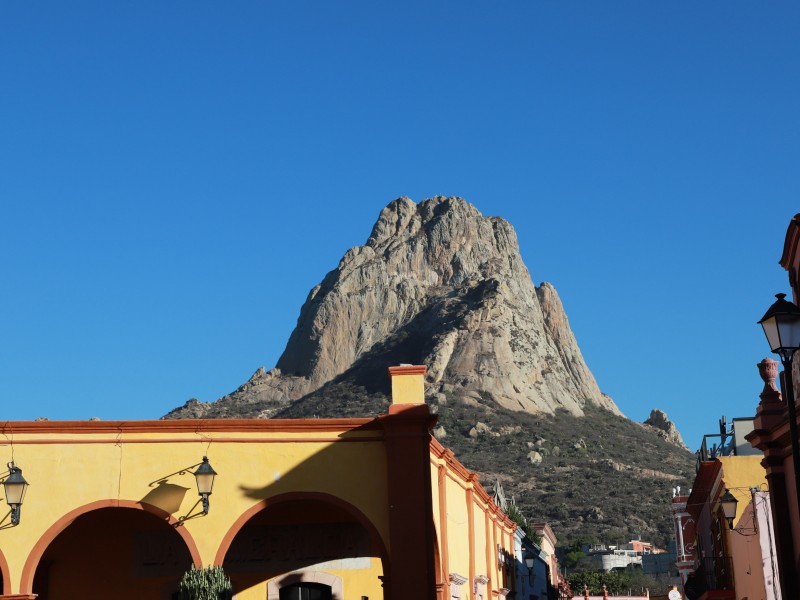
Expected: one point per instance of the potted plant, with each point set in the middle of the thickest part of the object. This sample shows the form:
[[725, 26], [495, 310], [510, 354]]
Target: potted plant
[[209, 583]]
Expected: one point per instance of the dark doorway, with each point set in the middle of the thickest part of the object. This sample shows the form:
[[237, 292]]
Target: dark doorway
[[306, 591], [119, 553], [301, 535]]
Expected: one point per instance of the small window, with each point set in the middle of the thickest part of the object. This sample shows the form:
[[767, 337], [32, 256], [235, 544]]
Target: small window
[[306, 591]]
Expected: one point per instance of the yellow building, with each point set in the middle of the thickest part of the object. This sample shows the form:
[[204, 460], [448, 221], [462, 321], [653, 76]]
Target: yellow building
[[350, 508], [736, 559]]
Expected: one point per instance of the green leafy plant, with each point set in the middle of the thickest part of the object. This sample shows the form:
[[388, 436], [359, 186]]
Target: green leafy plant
[[209, 583], [516, 515]]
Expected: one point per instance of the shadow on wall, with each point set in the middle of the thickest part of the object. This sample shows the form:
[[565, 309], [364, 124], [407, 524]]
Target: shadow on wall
[[315, 517], [166, 496], [118, 552]]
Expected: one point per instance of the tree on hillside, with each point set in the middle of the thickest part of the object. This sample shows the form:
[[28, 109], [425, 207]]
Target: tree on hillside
[[616, 582]]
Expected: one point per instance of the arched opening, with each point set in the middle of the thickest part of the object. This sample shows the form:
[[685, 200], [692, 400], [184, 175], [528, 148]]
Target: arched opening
[[306, 547], [112, 552], [5, 580]]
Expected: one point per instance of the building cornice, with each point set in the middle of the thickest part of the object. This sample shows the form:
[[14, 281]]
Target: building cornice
[[198, 426], [707, 478], [469, 480]]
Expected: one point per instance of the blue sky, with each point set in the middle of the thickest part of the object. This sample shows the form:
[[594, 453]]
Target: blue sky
[[175, 177]]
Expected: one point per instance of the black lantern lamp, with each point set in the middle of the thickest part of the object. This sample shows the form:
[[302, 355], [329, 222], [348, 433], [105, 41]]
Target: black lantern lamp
[[781, 325], [204, 476], [529, 562], [728, 502], [15, 487]]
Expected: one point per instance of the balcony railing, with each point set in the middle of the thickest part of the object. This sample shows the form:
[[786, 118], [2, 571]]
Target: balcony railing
[[716, 445]]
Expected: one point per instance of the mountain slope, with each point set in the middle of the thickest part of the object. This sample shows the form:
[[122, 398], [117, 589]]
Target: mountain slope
[[439, 284]]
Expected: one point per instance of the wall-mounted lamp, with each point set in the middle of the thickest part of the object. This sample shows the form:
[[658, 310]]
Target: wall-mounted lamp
[[15, 487], [529, 562], [781, 325], [204, 476], [728, 502]]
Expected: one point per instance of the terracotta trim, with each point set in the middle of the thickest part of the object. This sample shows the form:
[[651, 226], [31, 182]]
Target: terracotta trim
[[471, 533], [408, 370], [488, 542], [447, 455], [464, 477], [437, 448], [5, 574], [266, 503], [35, 555], [198, 426], [440, 589], [117, 441], [444, 541], [437, 560], [704, 483], [455, 479]]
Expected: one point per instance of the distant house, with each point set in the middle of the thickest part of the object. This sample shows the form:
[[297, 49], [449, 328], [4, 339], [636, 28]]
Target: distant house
[[662, 565], [608, 558]]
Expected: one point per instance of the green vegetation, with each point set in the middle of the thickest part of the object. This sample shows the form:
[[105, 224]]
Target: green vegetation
[[624, 581], [601, 475], [515, 515], [209, 583], [574, 558]]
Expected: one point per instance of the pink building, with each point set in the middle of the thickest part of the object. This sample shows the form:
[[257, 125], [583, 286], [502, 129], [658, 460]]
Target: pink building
[[772, 436]]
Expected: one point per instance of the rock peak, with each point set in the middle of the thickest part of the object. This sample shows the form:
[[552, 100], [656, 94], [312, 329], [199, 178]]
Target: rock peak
[[665, 428], [436, 283]]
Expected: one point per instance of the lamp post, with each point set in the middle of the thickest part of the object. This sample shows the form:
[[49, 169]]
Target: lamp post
[[204, 477], [15, 487], [781, 325]]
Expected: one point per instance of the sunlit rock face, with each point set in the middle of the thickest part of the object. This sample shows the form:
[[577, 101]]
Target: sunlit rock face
[[438, 284], [665, 428]]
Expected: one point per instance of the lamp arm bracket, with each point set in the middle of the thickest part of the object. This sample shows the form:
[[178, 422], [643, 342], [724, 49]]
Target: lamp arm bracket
[[163, 479]]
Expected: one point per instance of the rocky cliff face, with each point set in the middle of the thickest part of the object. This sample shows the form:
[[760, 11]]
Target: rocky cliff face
[[439, 284]]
